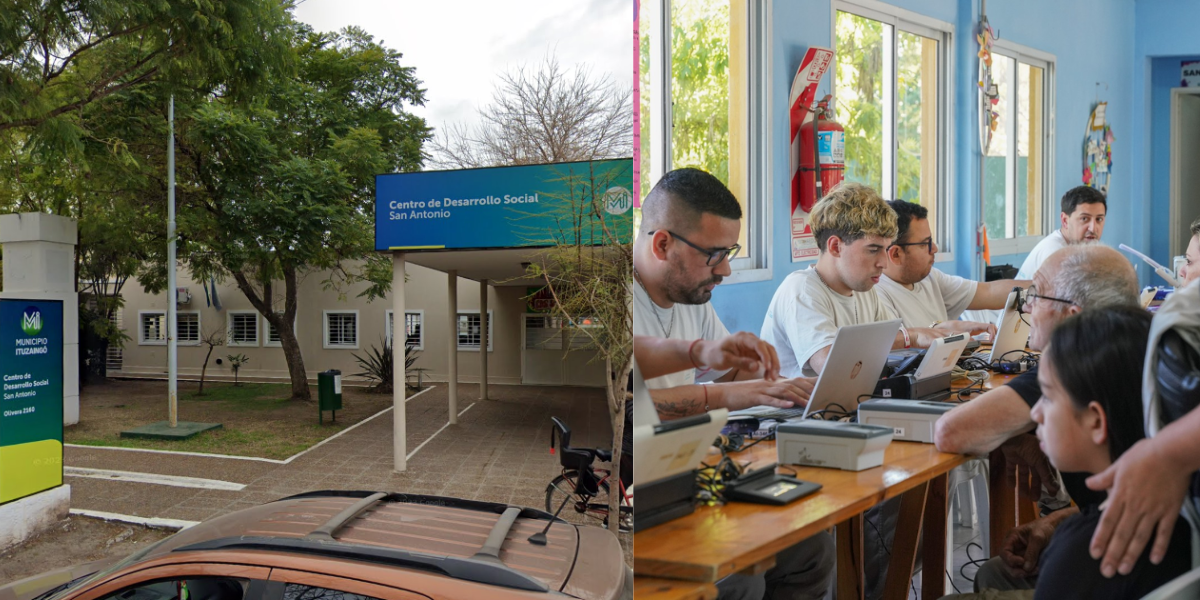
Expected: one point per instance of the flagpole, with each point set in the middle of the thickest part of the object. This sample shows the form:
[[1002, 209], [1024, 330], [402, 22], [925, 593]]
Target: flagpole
[[172, 291]]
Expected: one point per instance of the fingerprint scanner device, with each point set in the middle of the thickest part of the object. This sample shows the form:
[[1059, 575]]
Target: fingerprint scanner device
[[1011, 331], [765, 486], [930, 378], [909, 420], [832, 444], [665, 462]]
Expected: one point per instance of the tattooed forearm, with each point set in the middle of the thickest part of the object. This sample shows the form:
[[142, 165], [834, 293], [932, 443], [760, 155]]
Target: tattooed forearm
[[674, 409]]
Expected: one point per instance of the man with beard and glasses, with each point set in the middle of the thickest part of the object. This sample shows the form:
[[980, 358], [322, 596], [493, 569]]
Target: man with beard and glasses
[[689, 233]]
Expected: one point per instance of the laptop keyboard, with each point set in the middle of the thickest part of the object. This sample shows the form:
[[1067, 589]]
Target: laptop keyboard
[[781, 414]]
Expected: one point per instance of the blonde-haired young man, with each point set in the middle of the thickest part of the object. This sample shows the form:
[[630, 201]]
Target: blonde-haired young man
[[853, 227]]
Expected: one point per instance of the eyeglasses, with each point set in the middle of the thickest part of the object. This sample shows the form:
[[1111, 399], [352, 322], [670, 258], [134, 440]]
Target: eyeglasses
[[1029, 298], [715, 255], [928, 243]]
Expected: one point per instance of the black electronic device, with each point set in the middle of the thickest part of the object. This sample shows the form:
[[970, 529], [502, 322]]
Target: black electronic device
[[765, 486], [665, 500], [932, 389], [745, 425]]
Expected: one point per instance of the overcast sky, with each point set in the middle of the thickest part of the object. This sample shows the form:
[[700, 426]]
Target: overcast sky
[[460, 47]]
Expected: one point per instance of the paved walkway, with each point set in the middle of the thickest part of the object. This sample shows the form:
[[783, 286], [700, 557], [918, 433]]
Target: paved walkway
[[498, 452]]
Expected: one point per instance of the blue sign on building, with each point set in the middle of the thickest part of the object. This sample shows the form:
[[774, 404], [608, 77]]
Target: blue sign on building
[[505, 207]]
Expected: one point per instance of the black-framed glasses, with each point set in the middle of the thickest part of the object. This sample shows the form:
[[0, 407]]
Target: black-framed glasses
[[715, 255], [1027, 299], [928, 243]]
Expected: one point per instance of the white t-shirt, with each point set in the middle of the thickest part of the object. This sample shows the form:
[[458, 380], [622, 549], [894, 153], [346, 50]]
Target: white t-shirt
[[938, 297], [682, 322], [804, 317], [1049, 245]]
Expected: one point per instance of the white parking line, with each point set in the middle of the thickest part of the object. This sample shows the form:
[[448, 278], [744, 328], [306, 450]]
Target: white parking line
[[410, 454], [147, 521], [171, 480]]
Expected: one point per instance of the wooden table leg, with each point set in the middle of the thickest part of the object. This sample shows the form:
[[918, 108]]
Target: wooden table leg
[[904, 544], [1002, 498], [850, 583], [933, 560]]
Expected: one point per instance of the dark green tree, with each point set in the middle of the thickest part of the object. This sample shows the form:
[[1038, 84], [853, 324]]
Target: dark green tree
[[284, 187]]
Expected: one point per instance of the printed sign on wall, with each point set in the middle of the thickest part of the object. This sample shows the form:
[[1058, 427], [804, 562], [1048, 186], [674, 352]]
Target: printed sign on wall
[[1189, 73], [505, 207], [31, 400]]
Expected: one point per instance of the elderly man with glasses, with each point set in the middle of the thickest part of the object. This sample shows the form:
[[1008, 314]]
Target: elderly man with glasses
[[1073, 279], [923, 296]]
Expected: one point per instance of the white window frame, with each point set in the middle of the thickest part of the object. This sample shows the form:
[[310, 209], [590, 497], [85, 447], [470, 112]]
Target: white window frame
[[266, 333], [758, 208], [199, 328], [325, 329], [917, 24], [1051, 208], [142, 341], [491, 320], [387, 321], [229, 329]]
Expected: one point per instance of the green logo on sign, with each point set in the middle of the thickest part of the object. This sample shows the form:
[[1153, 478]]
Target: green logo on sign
[[31, 321]]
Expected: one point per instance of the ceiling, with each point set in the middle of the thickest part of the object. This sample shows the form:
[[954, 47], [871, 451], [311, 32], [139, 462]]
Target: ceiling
[[500, 267]]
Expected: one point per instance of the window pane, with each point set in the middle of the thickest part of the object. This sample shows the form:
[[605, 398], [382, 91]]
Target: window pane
[[646, 93], [710, 93], [294, 591], [342, 329], [412, 329], [243, 328], [187, 327], [996, 165], [916, 121], [1029, 151], [859, 96], [272, 333], [154, 327]]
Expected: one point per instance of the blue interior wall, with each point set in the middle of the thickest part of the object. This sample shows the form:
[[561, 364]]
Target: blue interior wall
[[1092, 40]]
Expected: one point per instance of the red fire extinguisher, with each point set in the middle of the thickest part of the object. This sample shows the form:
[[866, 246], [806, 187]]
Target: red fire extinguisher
[[829, 150]]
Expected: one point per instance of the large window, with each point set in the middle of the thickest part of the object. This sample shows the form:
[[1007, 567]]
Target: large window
[[891, 83], [243, 328], [700, 69], [413, 322], [1017, 173], [341, 329], [152, 329], [470, 330]]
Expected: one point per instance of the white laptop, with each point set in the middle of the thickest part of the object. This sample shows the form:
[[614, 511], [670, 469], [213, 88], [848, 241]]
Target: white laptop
[[941, 356], [852, 369], [1011, 332], [664, 449]]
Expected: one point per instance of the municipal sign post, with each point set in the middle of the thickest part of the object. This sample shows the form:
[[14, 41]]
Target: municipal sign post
[[31, 397]]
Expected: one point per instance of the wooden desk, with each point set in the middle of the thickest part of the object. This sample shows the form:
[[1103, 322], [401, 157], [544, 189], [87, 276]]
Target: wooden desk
[[654, 588], [715, 542]]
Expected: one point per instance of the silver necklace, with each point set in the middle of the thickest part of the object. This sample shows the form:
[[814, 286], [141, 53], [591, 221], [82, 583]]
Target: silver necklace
[[654, 308], [822, 280]]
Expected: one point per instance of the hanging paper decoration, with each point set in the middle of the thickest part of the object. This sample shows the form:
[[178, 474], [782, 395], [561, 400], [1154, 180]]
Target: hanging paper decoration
[[989, 92], [1097, 150]]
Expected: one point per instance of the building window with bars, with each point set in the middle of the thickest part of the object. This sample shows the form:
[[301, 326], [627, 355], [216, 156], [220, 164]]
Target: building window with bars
[[152, 328], [187, 327], [341, 329], [271, 335], [470, 331], [413, 328], [243, 329]]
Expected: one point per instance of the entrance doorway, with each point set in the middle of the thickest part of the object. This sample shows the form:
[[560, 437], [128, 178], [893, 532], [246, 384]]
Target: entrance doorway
[[553, 354], [1185, 156]]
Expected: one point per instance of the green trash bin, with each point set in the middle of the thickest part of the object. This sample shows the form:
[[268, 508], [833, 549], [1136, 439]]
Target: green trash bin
[[329, 393]]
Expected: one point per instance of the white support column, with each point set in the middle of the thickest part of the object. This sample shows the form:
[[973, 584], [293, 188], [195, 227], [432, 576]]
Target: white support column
[[399, 332], [39, 264], [483, 338], [452, 304]]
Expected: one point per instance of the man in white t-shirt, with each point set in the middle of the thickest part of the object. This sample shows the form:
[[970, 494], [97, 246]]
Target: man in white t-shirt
[[1082, 218], [689, 233], [923, 296], [853, 227]]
